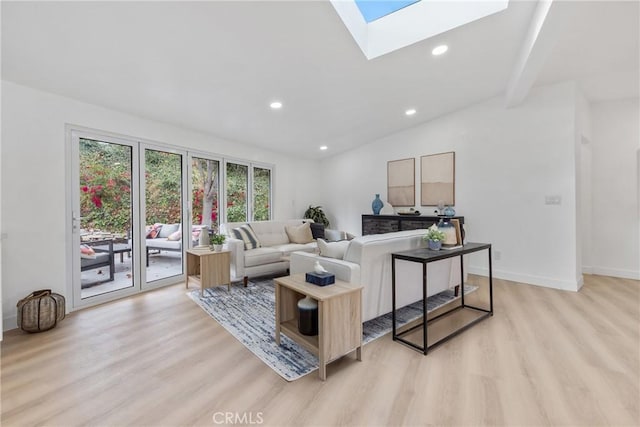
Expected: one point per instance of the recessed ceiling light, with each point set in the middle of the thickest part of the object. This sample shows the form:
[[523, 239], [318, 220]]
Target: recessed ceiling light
[[410, 112], [276, 105], [439, 50], [323, 147]]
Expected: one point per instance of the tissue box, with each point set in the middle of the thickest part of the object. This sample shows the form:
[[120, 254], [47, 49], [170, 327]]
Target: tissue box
[[320, 279]]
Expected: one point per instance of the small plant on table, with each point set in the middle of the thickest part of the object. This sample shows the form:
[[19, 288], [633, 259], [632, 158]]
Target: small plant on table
[[434, 237], [217, 241]]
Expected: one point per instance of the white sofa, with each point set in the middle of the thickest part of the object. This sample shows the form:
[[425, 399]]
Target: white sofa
[[272, 256], [367, 261]]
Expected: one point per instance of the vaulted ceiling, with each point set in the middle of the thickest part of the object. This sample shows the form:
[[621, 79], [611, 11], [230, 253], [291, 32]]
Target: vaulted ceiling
[[216, 66]]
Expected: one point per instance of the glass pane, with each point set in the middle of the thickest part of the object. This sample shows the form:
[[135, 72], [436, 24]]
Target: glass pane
[[163, 201], [261, 194], [237, 186], [205, 184], [106, 211]]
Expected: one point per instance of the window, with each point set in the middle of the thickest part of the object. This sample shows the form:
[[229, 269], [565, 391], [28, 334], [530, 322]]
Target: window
[[205, 188], [261, 194], [237, 182], [244, 183]]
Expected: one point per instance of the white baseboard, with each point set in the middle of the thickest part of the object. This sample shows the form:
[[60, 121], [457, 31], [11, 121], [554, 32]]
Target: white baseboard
[[613, 272], [548, 282], [9, 323]]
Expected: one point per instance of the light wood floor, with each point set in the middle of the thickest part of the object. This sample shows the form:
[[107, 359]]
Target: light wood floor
[[546, 357]]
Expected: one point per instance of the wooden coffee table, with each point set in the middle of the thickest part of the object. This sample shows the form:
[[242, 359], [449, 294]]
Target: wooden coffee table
[[339, 317]]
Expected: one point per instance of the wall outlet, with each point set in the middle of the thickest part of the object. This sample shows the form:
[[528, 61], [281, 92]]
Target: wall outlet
[[497, 255], [553, 200]]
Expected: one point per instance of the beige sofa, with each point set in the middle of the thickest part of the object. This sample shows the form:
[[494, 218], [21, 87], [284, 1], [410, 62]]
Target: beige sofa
[[367, 261], [271, 257]]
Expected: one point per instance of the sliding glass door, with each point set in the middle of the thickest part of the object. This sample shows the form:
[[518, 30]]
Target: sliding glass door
[[129, 219], [127, 216], [163, 234], [104, 176]]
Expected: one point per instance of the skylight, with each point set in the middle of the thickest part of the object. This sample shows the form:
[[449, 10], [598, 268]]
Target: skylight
[[376, 9], [405, 22]]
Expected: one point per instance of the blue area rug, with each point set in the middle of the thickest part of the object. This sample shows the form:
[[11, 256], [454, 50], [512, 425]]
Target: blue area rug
[[249, 315]]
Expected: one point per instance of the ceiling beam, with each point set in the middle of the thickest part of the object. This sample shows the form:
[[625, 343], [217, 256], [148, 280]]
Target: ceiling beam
[[538, 43]]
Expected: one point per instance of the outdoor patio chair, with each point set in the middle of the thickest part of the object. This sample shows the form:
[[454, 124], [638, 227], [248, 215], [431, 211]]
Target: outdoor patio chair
[[104, 258]]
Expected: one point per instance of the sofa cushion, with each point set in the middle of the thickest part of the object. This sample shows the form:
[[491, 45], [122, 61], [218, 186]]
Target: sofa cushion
[[269, 233], [100, 258], [260, 256], [296, 247], [333, 249], [247, 235], [164, 244], [383, 243], [299, 233], [167, 230]]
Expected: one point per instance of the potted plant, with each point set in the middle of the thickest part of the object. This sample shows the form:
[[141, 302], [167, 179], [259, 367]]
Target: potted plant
[[317, 215], [434, 237], [217, 240]]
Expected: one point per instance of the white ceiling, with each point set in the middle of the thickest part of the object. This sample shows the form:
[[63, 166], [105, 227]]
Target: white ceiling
[[215, 66]]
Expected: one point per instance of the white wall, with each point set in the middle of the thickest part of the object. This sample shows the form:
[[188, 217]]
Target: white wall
[[1, 228], [34, 187], [616, 215], [507, 160]]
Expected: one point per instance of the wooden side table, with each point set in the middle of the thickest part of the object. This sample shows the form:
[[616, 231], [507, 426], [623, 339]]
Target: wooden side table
[[339, 317], [207, 268]]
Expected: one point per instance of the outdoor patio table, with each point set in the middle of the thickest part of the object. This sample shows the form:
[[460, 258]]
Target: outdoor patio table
[[118, 248]]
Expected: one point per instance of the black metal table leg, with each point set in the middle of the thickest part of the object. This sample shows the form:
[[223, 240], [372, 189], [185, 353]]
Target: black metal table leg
[[393, 296], [424, 307]]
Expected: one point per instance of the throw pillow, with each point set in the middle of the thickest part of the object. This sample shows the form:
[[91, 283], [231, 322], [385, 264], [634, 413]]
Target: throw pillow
[[333, 249], [87, 252], [248, 236], [317, 230], [154, 231], [175, 236], [299, 233]]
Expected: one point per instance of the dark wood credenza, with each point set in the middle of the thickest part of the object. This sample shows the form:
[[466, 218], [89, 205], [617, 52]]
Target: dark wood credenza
[[380, 224]]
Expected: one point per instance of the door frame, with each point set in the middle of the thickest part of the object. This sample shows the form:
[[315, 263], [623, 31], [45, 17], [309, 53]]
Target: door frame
[[73, 210], [142, 255]]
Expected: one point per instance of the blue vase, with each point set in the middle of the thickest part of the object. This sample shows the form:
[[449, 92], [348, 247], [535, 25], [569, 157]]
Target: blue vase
[[435, 245], [449, 211], [377, 205]]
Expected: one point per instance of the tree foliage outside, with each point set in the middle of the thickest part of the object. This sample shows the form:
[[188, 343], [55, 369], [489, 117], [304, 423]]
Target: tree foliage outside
[[237, 187], [163, 199], [205, 186], [105, 188], [261, 194]]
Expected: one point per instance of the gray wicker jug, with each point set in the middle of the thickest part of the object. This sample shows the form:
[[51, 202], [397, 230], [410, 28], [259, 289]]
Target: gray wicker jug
[[40, 311]]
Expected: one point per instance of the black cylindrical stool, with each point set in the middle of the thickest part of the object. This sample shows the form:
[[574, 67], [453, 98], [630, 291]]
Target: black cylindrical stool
[[308, 316]]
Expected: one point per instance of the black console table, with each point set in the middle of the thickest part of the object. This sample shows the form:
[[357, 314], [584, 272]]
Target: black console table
[[380, 224], [425, 256]]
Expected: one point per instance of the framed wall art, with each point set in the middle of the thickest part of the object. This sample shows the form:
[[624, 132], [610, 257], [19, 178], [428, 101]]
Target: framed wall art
[[437, 179], [401, 182]]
